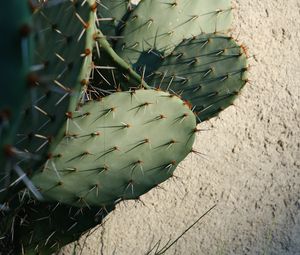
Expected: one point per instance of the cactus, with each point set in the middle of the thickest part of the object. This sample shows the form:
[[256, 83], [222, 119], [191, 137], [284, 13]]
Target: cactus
[[118, 148], [83, 156], [161, 25]]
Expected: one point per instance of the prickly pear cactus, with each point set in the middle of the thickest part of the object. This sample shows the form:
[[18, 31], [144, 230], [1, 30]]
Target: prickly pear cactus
[[78, 156], [118, 148]]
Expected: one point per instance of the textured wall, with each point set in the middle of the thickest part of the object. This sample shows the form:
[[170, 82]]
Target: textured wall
[[251, 168]]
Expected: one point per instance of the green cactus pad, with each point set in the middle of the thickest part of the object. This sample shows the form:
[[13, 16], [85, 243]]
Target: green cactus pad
[[118, 148], [64, 53], [162, 25], [208, 71], [15, 62]]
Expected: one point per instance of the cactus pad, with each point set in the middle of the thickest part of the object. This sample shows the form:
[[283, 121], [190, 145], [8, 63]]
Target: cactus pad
[[118, 148], [161, 25], [208, 71], [15, 62]]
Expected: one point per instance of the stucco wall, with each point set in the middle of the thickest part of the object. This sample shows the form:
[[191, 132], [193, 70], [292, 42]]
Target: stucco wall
[[251, 168]]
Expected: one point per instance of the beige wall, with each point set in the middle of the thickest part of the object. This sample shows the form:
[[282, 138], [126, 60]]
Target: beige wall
[[252, 165]]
